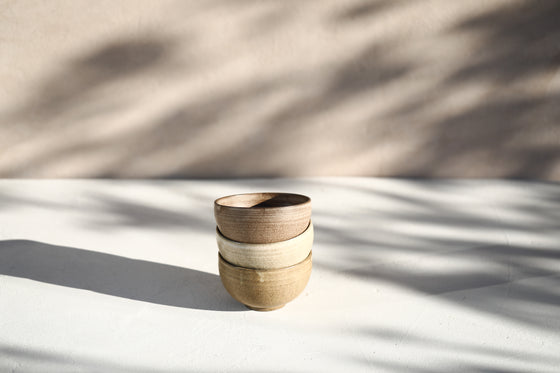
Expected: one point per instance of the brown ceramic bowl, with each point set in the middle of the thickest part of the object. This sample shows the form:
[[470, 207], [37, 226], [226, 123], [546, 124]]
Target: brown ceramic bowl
[[265, 289], [262, 217]]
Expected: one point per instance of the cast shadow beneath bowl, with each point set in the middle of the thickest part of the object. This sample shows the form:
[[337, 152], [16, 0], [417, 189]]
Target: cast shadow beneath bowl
[[115, 275]]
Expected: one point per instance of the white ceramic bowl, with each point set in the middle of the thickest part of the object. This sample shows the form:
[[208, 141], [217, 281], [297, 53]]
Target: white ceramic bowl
[[266, 255]]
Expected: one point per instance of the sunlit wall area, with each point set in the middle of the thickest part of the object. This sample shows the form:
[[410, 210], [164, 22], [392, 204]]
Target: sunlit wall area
[[221, 88]]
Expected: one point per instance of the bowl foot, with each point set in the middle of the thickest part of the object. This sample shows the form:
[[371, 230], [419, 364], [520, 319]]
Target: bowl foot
[[264, 309]]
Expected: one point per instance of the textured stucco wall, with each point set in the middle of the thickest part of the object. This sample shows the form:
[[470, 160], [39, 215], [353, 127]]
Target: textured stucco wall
[[225, 88]]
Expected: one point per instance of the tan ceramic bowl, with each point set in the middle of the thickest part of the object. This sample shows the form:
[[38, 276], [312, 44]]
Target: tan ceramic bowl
[[265, 289], [262, 217], [266, 255]]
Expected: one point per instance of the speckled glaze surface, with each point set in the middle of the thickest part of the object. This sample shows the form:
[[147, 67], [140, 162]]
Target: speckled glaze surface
[[267, 255], [262, 217], [265, 289]]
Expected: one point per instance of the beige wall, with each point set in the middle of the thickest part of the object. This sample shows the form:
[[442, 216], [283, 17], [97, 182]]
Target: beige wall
[[225, 88]]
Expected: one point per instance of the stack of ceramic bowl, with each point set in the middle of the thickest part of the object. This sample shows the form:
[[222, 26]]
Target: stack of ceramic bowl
[[264, 242]]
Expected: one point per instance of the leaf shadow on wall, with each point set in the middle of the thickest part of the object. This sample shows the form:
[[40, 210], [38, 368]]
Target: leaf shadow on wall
[[507, 132]]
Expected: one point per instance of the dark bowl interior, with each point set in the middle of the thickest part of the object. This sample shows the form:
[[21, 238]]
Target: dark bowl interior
[[262, 200]]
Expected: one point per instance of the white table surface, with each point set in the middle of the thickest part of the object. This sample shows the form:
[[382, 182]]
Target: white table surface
[[408, 276]]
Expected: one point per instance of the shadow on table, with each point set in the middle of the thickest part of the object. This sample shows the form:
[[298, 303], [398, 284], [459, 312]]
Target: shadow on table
[[504, 264], [115, 275]]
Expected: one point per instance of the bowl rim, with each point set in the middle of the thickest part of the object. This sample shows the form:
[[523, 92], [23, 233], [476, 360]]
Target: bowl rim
[[300, 236], [269, 270], [306, 201]]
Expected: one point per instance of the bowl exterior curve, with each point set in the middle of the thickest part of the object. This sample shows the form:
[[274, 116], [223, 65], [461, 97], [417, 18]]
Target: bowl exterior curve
[[262, 224], [265, 289], [266, 256]]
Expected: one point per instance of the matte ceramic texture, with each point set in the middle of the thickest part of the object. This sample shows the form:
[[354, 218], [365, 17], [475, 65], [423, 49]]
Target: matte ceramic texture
[[265, 289], [266, 255], [262, 217]]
